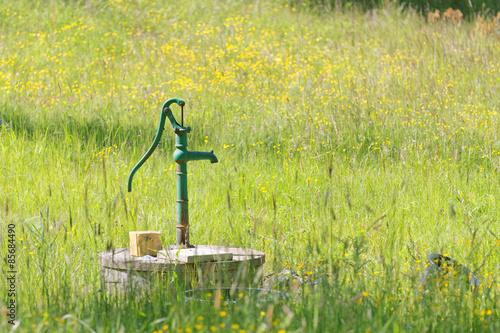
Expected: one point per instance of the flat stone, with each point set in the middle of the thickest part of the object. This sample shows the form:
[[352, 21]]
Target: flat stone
[[197, 255]]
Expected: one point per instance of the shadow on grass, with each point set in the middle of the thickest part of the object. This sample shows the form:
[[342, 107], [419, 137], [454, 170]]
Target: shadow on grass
[[96, 130]]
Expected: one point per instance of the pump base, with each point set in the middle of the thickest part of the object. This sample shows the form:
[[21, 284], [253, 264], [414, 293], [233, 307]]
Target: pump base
[[122, 272]]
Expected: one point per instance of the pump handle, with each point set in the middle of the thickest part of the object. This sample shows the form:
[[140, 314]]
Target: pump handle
[[164, 110]]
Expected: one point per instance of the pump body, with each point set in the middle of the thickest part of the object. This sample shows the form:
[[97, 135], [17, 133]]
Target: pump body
[[181, 157]]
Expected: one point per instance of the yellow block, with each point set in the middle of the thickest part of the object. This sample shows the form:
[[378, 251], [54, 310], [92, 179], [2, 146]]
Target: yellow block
[[143, 242]]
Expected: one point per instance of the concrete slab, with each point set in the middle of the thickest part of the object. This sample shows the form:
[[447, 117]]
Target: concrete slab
[[198, 255]]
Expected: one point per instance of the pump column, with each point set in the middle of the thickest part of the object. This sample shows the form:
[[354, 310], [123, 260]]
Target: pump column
[[182, 194]]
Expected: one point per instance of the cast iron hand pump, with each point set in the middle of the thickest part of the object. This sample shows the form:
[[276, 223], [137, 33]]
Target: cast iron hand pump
[[181, 157]]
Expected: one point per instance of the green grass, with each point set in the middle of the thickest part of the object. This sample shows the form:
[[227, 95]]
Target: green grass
[[350, 147]]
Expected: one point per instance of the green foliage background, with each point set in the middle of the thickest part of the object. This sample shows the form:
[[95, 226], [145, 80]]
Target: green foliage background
[[468, 7]]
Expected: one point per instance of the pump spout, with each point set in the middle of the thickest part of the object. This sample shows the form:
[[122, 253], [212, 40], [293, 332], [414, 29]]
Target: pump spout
[[183, 156]]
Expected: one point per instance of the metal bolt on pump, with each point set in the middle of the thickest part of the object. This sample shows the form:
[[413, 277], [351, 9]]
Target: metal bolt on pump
[[181, 157]]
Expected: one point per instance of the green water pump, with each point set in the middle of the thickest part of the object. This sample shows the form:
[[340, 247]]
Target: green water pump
[[181, 157]]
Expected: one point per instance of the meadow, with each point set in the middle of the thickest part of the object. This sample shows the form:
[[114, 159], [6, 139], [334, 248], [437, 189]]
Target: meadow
[[351, 145]]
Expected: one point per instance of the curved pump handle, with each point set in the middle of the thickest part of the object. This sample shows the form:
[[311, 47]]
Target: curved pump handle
[[165, 112]]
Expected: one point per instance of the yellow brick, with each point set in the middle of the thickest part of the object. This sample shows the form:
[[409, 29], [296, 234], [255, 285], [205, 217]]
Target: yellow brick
[[145, 242]]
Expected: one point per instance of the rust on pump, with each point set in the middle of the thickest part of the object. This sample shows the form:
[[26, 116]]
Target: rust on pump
[[181, 157]]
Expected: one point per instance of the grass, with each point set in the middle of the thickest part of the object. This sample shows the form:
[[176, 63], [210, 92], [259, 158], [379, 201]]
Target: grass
[[350, 147]]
